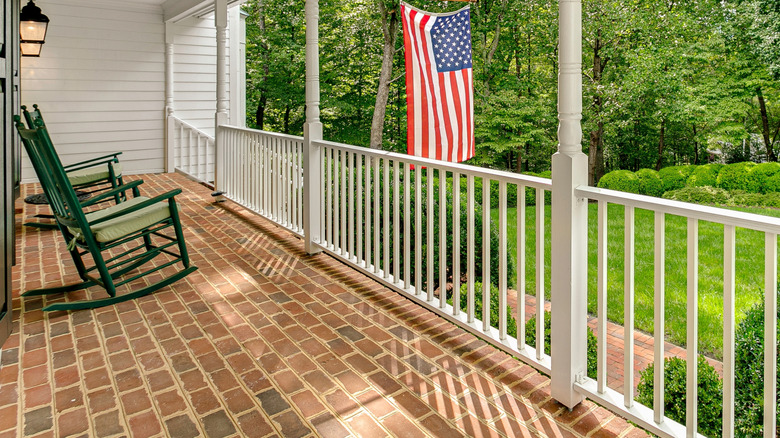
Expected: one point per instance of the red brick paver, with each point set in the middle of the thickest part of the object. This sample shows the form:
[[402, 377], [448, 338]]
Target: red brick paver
[[263, 340]]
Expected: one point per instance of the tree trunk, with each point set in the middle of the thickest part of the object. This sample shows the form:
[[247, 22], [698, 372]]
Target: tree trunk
[[770, 151], [596, 148], [661, 146], [287, 119], [695, 147], [596, 154], [260, 113], [519, 160], [390, 31]]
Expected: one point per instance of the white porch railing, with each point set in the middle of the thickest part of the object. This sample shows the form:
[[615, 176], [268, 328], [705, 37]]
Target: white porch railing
[[263, 172], [191, 149], [391, 217], [380, 215], [654, 419]]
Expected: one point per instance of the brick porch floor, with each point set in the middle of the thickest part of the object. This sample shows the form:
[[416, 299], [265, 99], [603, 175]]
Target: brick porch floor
[[262, 340]]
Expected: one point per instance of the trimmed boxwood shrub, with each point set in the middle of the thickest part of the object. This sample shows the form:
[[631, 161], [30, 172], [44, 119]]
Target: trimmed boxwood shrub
[[772, 184], [699, 195], [623, 180], [650, 183], [710, 393], [706, 175], [749, 369], [592, 351], [675, 177], [760, 174], [736, 177]]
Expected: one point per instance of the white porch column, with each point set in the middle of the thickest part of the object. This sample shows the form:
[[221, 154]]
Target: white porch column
[[170, 164], [221, 118], [237, 20], [569, 217], [312, 156]]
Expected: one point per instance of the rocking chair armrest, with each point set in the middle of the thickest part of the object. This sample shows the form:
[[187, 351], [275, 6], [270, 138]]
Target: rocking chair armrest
[[105, 159], [133, 185], [139, 206]]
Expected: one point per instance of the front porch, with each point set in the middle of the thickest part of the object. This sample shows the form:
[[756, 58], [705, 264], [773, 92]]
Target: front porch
[[263, 340]]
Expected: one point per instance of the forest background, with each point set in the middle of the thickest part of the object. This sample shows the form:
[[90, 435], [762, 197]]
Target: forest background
[[665, 82]]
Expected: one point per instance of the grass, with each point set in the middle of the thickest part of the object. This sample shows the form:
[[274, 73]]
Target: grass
[[749, 273]]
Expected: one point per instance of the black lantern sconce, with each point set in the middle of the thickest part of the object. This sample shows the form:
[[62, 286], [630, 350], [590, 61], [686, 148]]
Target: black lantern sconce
[[32, 29]]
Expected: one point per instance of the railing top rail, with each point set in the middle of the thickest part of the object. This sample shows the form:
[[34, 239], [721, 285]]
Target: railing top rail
[[724, 216], [498, 175], [266, 133], [188, 126]]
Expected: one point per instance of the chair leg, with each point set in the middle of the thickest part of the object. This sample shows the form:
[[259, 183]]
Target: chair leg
[[185, 257]]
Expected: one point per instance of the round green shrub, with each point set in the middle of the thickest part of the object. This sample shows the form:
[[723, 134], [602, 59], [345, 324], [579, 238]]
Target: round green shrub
[[749, 374], [736, 177], [760, 174], [772, 184], [710, 393], [592, 352], [700, 195], [650, 183], [706, 175], [675, 177], [623, 180]]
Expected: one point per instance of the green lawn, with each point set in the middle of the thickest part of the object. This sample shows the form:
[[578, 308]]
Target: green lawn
[[749, 264]]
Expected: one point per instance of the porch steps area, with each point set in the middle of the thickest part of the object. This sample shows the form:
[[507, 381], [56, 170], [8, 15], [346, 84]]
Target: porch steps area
[[263, 340]]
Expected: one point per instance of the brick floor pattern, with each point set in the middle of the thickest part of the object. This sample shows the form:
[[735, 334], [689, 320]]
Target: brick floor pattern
[[261, 341]]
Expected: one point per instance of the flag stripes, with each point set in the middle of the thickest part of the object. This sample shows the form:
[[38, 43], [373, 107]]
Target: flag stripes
[[439, 84]]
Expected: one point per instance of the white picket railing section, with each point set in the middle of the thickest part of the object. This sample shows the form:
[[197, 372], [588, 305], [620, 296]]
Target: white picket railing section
[[654, 419], [381, 213], [263, 172], [390, 216], [192, 150]]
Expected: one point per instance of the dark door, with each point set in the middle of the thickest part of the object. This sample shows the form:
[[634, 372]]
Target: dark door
[[9, 80]]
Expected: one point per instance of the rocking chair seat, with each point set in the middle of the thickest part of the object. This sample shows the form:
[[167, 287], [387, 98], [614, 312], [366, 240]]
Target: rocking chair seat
[[92, 174], [126, 224]]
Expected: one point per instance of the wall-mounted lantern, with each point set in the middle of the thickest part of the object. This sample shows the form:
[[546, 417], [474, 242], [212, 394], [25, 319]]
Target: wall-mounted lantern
[[32, 29]]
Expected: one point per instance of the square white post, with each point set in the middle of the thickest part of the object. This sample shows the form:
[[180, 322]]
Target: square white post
[[569, 218], [170, 164], [312, 131], [221, 117]]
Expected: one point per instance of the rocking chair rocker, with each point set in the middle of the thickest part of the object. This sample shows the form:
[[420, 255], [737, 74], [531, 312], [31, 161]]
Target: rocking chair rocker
[[120, 239]]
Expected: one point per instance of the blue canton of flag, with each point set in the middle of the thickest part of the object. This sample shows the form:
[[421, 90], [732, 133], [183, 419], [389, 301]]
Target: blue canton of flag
[[452, 42]]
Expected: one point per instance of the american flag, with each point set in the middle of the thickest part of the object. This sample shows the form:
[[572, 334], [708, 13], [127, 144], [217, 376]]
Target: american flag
[[439, 90]]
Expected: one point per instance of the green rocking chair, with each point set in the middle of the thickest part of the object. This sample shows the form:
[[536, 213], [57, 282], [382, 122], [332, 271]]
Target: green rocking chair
[[87, 177], [122, 240]]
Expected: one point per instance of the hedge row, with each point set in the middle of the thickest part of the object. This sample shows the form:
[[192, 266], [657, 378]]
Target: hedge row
[[726, 198], [750, 177]]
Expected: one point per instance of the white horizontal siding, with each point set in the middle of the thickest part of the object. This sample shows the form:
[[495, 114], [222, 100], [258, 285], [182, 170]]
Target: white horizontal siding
[[100, 82], [195, 72]]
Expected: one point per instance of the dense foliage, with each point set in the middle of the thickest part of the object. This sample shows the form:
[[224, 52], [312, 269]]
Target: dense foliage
[[749, 363], [710, 393], [665, 83]]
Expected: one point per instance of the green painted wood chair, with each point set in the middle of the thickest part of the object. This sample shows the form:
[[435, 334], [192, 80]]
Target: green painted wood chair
[[125, 242], [85, 174]]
